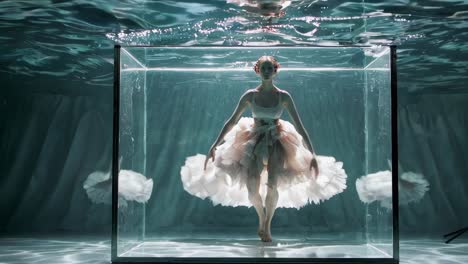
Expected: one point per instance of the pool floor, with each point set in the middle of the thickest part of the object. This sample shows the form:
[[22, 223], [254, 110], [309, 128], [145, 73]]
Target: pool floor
[[95, 249], [253, 248]]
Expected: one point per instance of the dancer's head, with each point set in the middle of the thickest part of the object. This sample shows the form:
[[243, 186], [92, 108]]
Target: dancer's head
[[267, 67]]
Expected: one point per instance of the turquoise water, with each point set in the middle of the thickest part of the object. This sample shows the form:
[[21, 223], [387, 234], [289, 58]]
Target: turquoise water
[[47, 37], [56, 89]]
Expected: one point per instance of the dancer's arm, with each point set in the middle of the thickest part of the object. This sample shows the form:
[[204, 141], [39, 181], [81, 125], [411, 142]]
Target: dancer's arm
[[301, 130], [236, 115], [291, 107]]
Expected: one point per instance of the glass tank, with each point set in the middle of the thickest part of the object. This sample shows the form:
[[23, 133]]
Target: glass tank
[[170, 106]]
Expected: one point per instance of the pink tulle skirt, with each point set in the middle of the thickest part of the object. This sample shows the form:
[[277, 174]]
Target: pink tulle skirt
[[250, 143]]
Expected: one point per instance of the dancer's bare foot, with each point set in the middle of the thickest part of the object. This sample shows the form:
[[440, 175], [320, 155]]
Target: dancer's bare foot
[[266, 237], [261, 229], [266, 233], [261, 233]]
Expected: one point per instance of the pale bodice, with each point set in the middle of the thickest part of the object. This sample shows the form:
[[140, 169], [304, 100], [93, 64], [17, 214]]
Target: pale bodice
[[261, 112]]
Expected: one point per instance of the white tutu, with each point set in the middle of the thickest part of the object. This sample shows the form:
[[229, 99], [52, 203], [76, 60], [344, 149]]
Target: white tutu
[[224, 180], [133, 186], [378, 187]]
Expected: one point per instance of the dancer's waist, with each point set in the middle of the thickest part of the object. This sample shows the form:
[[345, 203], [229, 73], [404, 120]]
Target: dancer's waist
[[265, 121], [269, 126]]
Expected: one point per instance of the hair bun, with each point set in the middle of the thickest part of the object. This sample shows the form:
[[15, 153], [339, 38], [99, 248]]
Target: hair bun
[[276, 64]]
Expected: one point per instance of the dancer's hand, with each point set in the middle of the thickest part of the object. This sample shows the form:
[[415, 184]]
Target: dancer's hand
[[211, 154], [314, 165]]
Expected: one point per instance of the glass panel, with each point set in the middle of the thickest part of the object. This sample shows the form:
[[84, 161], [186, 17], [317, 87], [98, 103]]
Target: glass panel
[[128, 60], [174, 103], [379, 151], [377, 59], [132, 151]]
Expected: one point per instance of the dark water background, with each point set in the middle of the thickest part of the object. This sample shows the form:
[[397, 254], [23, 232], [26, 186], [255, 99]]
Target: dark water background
[[56, 92]]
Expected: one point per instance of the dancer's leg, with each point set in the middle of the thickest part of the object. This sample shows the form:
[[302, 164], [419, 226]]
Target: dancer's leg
[[275, 163], [253, 184]]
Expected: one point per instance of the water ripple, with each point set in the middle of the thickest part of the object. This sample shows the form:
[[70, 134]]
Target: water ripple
[[74, 38]]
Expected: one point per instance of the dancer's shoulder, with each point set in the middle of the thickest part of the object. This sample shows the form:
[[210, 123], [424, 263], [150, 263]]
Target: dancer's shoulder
[[285, 96], [283, 92], [248, 94]]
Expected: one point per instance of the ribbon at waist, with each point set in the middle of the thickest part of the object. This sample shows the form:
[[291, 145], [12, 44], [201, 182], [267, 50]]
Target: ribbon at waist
[[267, 134], [266, 125]]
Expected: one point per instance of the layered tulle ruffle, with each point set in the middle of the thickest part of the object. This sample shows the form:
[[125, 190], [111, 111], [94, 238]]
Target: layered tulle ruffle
[[378, 187], [133, 186], [225, 180]]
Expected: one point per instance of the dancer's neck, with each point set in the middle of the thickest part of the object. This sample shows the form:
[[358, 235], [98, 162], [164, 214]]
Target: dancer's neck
[[267, 86]]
